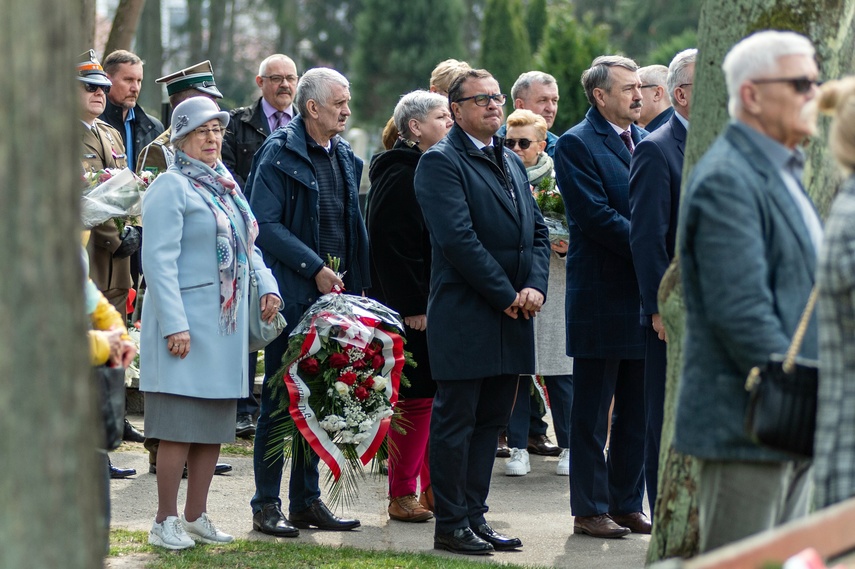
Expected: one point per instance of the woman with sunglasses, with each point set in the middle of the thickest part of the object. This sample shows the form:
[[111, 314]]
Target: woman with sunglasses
[[195, 342], [526, 136], [400, 273]]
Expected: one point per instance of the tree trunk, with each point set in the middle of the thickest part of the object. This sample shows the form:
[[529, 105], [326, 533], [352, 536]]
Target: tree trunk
[[829, 23], [216, 26], [125, 24], [194, 30], [150, 50], [51, 486], [88, 16]]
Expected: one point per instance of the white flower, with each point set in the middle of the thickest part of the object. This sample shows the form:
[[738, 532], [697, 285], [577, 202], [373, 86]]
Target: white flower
[[379, 383], [359, 437], [387, 412], [366, 425], [346, 437], [341, 388]]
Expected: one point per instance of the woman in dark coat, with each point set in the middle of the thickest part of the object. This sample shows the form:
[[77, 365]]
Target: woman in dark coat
[[400, 275]]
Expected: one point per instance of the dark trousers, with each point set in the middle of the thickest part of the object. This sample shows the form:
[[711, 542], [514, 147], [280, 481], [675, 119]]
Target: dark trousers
[[249, 405], [466, 419], [303, 487], [654, 407], [526, 409], [598, 485]]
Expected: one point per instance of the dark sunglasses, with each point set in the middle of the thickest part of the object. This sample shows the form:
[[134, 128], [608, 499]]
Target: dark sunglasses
[[90, 88], [800, 85], [523, 142]]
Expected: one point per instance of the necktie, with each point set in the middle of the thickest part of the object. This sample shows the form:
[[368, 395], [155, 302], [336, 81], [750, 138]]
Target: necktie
[[489, 151], [278, 115], [627, 140]]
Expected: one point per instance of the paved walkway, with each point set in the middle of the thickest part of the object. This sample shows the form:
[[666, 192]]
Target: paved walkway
[[535, 508]]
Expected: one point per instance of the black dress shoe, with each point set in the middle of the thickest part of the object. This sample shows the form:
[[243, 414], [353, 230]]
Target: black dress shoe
[[498, 541], [116, 472], [541, 445], [321, 517], [462, 541], [502, 450], [244, 428], [131, 434], [271, 520], [220, 468]]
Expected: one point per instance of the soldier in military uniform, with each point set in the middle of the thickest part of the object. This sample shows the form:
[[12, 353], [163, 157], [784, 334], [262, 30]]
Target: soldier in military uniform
[[102, 148], [195, 81]]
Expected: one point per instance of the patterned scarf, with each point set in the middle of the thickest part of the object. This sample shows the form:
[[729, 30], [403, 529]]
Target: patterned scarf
[[213, 184]]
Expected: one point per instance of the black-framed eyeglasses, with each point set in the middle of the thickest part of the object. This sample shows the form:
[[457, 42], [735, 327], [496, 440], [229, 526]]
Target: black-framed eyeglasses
[[483, 99], [90, 88], [652, 86], [523, 142], [278, 79], [800, 85]]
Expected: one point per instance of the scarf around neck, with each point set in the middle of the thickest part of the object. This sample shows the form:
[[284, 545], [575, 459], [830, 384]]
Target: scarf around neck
[[232, 251], [540, 170]]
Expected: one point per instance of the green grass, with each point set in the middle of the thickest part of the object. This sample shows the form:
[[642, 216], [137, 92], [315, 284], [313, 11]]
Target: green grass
[[247, 554]]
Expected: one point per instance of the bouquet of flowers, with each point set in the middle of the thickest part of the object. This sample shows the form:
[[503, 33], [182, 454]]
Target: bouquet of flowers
[[551, 205], [339, 383], [112, 193]]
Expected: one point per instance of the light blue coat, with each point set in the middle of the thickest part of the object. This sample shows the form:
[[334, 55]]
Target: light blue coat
[[180, 265]]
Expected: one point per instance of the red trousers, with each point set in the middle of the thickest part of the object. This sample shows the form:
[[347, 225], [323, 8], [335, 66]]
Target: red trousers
[[408, 453]]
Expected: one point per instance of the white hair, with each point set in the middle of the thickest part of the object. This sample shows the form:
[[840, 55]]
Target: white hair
[[317, 84], [678, 71], [756, 57]]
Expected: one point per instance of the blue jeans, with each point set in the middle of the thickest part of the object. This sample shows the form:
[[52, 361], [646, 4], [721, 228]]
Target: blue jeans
[[303, 488]]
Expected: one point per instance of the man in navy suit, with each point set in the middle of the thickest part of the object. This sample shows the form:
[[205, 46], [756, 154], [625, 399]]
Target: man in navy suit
[[603, 332], [655, 175], [656, 109], [488, 279], [748, 237]]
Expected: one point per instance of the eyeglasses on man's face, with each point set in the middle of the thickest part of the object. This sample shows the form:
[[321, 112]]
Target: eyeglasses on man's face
[[523, 142], [482, 99], [203, 133], [800, 85], [90, 88], [278, 79]]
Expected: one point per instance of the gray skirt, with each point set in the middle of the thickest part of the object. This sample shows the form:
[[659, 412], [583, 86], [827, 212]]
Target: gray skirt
[[189, 419]]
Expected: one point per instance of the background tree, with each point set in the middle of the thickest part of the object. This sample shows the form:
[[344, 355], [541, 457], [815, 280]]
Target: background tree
[[505, 48], [52, 485], [642, 25], [568, 49], [830, 26], [535, 22], [124, 25], [397, 46], [329, 33], [149, 46]]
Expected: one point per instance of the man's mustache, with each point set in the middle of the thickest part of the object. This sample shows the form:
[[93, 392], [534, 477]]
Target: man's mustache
[[636, 105]]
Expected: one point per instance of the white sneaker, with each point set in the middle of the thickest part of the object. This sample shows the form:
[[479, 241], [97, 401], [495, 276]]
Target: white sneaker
[[205, 531], [563, 468], [518, 464], [170, 534]]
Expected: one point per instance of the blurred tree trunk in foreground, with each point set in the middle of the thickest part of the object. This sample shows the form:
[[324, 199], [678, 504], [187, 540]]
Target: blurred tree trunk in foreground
[[125, 24], [829, 23], [51, 483]]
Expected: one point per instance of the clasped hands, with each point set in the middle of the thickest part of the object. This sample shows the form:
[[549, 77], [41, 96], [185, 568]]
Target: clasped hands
[[528, 302]]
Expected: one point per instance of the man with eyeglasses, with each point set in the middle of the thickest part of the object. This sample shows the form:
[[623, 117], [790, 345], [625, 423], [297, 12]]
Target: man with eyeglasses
[[604, 335], [488, 280], [748, 237], [655, 179], [248, 128], [656, 107]]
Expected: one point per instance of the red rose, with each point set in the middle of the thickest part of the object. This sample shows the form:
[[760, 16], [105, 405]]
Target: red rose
[[360, 393], [378, 361], [370, 351], [339, 360], [368, 383], [310, 366], [359, 364], [348, 378]]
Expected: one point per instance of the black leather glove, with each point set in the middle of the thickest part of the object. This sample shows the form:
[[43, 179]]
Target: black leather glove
[[131, 240]]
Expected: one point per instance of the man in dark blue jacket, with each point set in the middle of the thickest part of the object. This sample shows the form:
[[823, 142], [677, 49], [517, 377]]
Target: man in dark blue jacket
[[603, 332], [489, 276], [304, 186]]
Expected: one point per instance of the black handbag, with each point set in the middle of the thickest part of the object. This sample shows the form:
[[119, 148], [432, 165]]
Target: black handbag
[[111, 386], [782, 406]]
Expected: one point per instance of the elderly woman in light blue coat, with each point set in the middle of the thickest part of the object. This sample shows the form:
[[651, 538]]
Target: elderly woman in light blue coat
[[198, 238]]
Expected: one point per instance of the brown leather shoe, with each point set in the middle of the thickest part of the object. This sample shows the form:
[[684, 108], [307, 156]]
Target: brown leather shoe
[[426, 499], [540, 444], [407, 509], [599, 526], [502, 450], [636, 521]]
